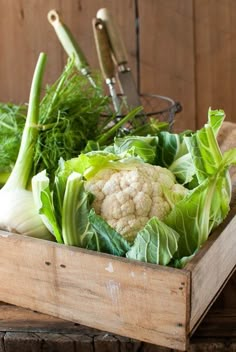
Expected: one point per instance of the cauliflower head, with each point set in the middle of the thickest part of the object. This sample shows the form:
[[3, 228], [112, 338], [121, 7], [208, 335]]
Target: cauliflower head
[[127, 199]]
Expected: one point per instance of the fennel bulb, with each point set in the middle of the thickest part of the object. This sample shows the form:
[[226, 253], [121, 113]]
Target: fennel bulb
[[18, 212]]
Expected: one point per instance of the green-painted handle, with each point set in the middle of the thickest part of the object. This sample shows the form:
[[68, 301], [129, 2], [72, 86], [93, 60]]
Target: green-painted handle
[[68, 41]]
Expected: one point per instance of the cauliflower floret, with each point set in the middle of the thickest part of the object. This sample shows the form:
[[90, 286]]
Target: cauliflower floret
[[127, 199]]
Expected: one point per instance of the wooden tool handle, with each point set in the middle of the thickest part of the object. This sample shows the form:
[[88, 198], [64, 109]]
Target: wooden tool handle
[[103, 49], [67, 40], [116, 42]]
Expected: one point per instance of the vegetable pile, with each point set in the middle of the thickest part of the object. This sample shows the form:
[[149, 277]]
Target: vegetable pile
[[86, 182], [154, 199]]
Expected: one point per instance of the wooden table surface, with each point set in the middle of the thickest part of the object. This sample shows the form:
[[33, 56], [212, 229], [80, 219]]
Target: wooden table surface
[[22, 330]]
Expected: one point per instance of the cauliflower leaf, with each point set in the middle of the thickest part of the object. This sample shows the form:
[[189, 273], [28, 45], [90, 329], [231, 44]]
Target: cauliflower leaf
[[156, 243]]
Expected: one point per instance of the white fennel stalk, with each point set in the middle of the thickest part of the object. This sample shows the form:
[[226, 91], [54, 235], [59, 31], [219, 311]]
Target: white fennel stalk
[[18, 212]]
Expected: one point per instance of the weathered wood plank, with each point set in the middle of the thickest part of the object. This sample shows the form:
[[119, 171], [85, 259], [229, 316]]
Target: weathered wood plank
[[166, 54], [215, 57], [13, 318], [82, 342], [55, 342], [185, 53], [218, 329], [128, 345], [79, 17], [2, 349], [25, 32], [211, 347], [105, 343], [24, 342], [227, 140], [108, 293], [211, 267], [219, 323]]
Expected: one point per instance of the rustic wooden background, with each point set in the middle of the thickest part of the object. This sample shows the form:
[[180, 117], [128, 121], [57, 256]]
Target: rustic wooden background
[[187, 48]]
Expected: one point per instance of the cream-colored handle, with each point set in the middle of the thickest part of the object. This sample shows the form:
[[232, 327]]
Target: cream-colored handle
[[116, 42]]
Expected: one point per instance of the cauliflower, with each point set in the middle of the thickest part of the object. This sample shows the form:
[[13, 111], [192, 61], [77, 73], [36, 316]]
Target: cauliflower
[[127, 199]]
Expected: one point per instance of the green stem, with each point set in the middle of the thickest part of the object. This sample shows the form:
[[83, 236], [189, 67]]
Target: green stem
[[111, 132], [22, 169], [57, 92], [214, 145]]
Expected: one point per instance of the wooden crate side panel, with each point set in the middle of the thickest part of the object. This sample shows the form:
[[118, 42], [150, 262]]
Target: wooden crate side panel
[[124, 297], [167, 54], [211, 268]]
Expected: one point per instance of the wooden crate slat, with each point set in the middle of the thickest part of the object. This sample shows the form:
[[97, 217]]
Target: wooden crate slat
[[146, 302], [211, 268]]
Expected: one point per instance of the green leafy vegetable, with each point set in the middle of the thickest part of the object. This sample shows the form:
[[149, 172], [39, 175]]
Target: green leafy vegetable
[[196, 161], [75, 225], [156, 243], [70, 116], [90, 163], [17, 210], [206, 206], [144, 147], [108, 240], [12, 121], [44, 204]]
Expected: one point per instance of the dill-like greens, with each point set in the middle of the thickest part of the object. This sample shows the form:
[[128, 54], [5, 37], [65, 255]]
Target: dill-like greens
[[69, 116], [74, 117], [70, 111], [12, 120]]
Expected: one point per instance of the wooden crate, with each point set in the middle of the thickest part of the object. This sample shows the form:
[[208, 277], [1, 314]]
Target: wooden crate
[[147, 302]]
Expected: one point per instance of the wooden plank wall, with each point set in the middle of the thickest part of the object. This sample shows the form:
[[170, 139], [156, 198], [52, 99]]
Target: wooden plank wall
[[187, 48]]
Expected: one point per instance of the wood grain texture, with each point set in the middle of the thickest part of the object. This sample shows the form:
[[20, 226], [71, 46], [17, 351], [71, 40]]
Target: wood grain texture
[[186, 53], [27, 329], [79, 15], [96, 290], [211, 268], [215, 57], [166, 54], [24, 34]]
